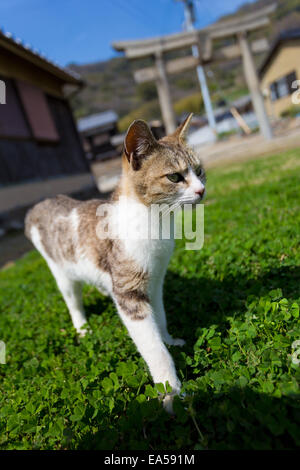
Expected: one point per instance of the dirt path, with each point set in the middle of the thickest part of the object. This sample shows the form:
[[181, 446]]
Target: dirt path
[[244, 148]]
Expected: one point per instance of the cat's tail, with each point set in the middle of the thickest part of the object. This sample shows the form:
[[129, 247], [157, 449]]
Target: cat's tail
[[34, 217]]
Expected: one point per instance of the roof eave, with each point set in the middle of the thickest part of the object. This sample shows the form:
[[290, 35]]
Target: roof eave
[[36, 59], [279, 41]]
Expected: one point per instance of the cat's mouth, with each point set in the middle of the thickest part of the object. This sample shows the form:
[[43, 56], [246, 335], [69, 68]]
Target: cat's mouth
[[180, 202], [201, 196], [194, 200]]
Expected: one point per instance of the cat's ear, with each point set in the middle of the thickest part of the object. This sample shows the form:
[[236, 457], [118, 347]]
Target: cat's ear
[[139, 143], [181, 131]]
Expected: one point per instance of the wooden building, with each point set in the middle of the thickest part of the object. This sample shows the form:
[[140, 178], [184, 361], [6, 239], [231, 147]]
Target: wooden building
[[279, 70], [38, 136]]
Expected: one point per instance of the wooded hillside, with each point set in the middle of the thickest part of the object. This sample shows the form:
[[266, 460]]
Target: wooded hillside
[[110, 84]]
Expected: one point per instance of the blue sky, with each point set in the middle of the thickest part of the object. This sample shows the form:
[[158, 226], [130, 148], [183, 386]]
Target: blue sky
[[82, 31]]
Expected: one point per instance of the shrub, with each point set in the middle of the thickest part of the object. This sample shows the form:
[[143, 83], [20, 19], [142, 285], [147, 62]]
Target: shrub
[[189, 104], [291, 112], [147, 111]]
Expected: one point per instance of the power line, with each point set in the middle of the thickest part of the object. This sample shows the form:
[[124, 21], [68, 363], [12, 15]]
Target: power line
[[143, 14], [189, 14], [126, 8]]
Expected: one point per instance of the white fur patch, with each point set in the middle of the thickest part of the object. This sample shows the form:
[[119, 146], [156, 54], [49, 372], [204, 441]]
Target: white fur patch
[[135, 228], [194, 185]]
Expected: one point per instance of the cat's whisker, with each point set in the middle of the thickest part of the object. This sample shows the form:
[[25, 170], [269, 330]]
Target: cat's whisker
[[171, 208], [176, 205]]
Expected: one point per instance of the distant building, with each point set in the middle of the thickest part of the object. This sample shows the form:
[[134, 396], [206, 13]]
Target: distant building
[[97, 132], [38, 136], [201, 133], [279, 70]]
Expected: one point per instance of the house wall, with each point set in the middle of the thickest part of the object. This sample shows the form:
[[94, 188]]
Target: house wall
[[38, 136], [29, 160], [285, 61]]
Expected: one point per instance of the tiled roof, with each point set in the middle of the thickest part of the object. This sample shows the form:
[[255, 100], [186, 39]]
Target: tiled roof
[[284, 36], [96, 120], [16, 45]]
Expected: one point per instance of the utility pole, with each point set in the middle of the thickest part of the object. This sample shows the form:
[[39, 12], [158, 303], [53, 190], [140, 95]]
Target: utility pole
[[189, 14], [254, 87], [164, 95]]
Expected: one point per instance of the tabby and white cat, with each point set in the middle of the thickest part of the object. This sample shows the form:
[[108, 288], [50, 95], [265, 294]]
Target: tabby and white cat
[[130, 270]]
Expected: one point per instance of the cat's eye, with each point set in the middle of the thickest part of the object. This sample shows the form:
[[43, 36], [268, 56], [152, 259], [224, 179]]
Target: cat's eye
[[175, 177], [199, 171]]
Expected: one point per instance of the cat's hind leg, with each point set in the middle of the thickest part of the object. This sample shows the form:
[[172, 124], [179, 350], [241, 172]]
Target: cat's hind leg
[[160, 314], [72, 293], [71, 290]]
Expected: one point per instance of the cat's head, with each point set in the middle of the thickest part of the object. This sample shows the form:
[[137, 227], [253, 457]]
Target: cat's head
[[162, 171]]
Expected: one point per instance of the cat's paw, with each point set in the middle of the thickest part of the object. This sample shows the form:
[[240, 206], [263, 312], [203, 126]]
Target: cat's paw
[[168, 404], [174, 341], [178, 342], [168, 399], [82, 331]]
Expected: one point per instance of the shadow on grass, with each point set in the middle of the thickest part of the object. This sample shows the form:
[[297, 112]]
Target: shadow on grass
[[239, 418], [199, 301]]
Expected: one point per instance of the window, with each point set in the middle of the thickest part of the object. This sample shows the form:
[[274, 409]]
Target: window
[[273, 88], [290, 78], [283, 86], [26, 113], [37, 112]]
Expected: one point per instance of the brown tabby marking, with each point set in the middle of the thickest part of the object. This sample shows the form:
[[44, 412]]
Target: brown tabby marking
[[145, 163], [129, 282]]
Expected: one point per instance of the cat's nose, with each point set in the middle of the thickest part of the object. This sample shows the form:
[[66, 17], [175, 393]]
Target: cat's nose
[[200, 191]]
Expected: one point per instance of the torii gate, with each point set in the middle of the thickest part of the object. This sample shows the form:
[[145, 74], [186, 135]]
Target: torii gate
[[203, 39]]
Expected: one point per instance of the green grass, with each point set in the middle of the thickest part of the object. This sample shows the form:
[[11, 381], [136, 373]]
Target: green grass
[[236, 302]]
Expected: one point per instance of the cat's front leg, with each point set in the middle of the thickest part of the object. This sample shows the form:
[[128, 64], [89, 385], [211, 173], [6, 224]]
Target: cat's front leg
[[136, 313]]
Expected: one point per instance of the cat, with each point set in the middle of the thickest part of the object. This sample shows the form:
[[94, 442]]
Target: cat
[[130, 270]]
